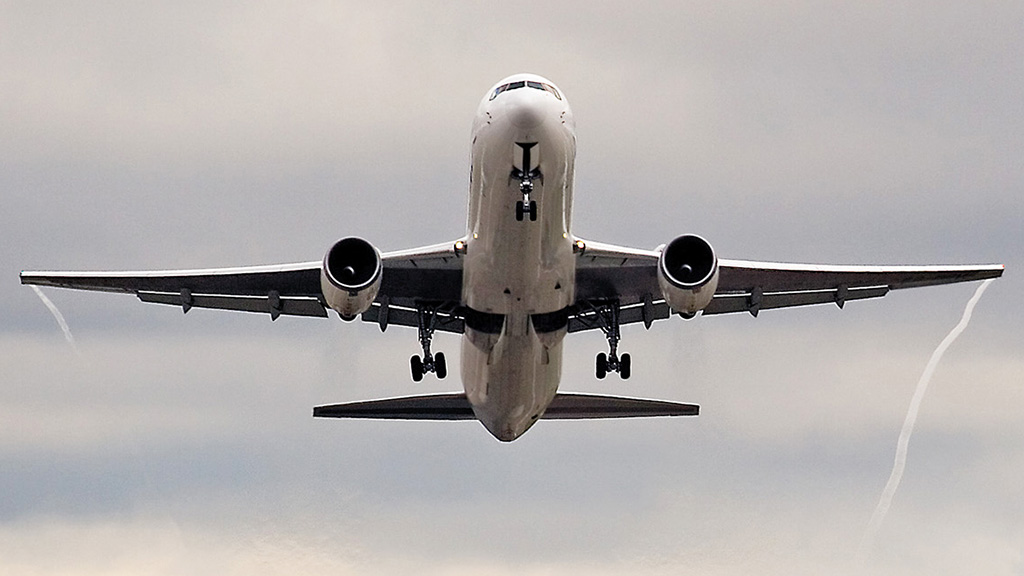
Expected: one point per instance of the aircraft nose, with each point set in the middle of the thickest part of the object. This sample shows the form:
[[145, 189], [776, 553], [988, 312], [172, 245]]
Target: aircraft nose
[[526, 113]]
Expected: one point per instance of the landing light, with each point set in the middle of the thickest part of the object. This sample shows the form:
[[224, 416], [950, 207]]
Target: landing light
[[578, 247]]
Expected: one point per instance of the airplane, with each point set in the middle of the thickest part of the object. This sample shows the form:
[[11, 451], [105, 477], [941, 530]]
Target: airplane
[[516, 283]]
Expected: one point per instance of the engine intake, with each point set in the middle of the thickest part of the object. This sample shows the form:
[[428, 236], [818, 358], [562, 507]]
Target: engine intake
[[350, 277], [688, 274]]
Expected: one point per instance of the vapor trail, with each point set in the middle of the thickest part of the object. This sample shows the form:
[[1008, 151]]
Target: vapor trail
[[908, 424], [58, 317]]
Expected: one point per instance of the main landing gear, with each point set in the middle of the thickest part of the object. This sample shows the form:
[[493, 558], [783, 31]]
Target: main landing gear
[[427, 323], [605, 315]]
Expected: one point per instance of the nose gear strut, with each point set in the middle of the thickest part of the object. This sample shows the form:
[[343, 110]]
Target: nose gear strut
[[426, 316], [526, 176], [526, 206]]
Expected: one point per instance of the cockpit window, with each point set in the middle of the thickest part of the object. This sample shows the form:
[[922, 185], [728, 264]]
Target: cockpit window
[[499, 90], [523, 84]]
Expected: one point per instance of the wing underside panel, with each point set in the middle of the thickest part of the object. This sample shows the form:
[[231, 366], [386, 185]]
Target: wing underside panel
[[740, 275], [447, 319], [429, 274], [292, 280], [287, 305], [629, 277]]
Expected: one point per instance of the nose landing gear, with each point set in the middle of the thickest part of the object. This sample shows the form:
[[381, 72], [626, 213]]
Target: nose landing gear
[[526, 176], [526, 206]]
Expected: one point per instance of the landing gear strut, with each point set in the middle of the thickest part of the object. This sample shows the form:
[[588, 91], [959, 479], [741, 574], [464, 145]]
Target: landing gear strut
[[605, 315], [526, 178], [427, 323], [526, 206]]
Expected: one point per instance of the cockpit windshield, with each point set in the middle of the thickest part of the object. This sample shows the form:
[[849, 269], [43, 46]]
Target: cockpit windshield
[[525, 84]]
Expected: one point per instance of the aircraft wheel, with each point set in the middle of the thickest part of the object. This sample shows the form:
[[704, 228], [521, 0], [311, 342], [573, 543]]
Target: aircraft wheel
[[624, 366], [417, 368], [602, 365], [520, 210], [533, 211], [440, 368]]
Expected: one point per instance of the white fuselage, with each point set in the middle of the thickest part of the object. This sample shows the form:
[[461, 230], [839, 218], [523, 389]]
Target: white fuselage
[[518, 274]]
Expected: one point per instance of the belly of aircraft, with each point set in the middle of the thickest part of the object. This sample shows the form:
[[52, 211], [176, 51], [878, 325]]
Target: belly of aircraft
[[511, 378], [519, 274]]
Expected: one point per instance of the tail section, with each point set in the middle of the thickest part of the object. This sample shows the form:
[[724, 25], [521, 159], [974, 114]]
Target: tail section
[[457, 407]]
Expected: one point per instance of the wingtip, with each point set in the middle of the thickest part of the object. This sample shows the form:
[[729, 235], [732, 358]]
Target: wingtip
[[33, 278]]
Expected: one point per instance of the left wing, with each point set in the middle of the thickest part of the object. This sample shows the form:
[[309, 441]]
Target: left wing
[[611, 273], [432, 273]]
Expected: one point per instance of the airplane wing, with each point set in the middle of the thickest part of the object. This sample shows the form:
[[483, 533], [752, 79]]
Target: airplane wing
[[606, 273], [282, 289], [432, 272]]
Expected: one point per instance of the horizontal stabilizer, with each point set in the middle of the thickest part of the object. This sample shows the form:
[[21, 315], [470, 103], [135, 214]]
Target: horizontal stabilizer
[[578, 406], [432, 407], [457, 407]]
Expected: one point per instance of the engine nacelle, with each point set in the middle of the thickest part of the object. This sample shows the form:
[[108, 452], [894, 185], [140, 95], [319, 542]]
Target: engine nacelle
[[350, 277], [688, 274]]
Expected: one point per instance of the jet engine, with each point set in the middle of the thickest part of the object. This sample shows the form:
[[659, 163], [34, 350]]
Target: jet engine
[[350, 277], [688, 274]]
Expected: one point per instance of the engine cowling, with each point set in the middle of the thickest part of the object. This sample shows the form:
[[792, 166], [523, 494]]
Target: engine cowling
[[688, 274], [350, 276]]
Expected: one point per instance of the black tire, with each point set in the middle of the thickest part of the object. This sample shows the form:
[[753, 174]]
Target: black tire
[[625, 366], [533, 211], [440, 368], [519, 211], [416, 364], [602, 366]]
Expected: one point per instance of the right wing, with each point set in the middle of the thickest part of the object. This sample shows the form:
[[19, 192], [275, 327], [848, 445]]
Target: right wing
[[745, 286], [606, 273]]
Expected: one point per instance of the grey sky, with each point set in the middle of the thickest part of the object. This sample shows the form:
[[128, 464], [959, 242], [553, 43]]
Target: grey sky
[[134, 136]]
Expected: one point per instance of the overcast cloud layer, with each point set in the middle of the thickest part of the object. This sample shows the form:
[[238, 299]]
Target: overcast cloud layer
[[134, 136]]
